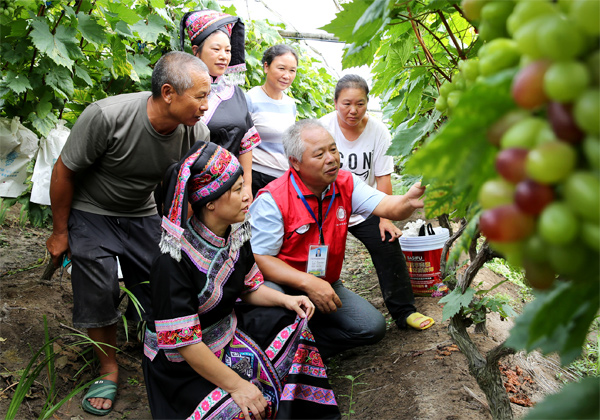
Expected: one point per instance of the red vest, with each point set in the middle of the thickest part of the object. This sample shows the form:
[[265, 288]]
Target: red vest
[[300, 228]]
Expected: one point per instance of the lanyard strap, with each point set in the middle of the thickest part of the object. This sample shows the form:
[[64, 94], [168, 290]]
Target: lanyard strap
[[320, 225]]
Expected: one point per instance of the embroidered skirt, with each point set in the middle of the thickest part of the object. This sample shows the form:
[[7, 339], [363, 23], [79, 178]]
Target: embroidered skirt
[[286, 366]]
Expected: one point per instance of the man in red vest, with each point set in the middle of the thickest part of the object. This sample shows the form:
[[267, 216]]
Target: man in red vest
[[299, 229]]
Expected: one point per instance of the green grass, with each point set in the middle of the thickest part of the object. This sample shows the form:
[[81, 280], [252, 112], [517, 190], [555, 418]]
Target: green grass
[[42, 360], [352, 379], [589, 362], [512, 274]]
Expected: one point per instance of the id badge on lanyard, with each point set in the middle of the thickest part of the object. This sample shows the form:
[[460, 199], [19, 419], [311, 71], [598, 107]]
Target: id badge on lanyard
[[317, 260], [317, 254]]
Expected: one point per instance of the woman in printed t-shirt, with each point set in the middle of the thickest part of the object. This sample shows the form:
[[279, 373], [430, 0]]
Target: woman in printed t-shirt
[[362, 142], [272, 112]]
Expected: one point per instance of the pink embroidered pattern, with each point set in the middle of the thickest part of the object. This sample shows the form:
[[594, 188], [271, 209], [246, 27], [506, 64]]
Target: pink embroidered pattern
[[184, 173], [277, 343], [317, 372], [253, 279], [250, 140], [308, 356], [198, 22], [308, 393], [209, 401], [178, 332], [221, 167], [308, 335]]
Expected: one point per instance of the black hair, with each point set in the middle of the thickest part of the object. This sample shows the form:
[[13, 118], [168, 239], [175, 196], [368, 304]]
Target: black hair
[[351, 81], [278, 50], [176, 68]]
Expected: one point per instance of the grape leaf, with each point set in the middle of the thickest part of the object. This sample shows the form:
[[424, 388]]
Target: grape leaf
[[61, 81], [163, 13], [90, 29], [55, 46], [577, 400], [150, 31], [356, 56], [158, 4], [406, 137], [454, 301], [399, 53], [345, 20], [18, 29], [18, 83], [464, 161], [44, 106], [120, 65], [124, 13], [83, 75], [371, 20], [122, 28], [140, 67], [43, 125], [557, 320]]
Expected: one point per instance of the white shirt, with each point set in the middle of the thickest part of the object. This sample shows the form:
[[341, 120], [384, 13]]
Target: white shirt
[[366, 156]]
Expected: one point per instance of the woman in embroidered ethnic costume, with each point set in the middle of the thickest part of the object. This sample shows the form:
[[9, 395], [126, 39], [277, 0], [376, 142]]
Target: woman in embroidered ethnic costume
[[222, 345], [218, 40]]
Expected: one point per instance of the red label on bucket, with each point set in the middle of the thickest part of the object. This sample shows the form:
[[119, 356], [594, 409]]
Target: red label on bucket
[[424, 270]]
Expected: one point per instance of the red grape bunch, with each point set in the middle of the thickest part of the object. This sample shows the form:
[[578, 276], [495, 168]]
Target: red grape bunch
[[543, 209]]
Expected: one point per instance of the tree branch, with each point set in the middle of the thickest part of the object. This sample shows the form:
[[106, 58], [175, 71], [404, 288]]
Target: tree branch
[[447, 26], [459, 10], [427, 53], [444, 221], [483, 369], [484, 255], [450, 55], [448, 245], [473, 246]]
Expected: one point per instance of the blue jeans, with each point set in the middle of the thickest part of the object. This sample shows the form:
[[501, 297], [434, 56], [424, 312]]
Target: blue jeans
[[356, 323]]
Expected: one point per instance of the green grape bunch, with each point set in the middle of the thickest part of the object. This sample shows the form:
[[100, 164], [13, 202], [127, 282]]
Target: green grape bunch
[[543, 209], [8, 7]]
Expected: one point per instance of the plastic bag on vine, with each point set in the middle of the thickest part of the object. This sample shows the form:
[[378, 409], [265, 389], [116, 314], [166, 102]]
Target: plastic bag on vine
[[18, 145], [50, 149]]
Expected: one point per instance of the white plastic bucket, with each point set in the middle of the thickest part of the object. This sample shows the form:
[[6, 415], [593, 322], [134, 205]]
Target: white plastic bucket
[[423, 257]]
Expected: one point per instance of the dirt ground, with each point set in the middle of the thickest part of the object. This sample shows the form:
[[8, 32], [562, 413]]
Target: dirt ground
[[410, 375]]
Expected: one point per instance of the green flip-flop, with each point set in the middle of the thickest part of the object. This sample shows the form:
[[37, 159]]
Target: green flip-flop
[[102, 388]]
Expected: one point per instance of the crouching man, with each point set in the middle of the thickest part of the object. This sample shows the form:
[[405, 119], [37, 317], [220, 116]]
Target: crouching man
[[299, 229]]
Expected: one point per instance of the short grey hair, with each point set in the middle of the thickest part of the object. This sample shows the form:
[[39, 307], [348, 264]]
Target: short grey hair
[[176, 68], [293, 145]]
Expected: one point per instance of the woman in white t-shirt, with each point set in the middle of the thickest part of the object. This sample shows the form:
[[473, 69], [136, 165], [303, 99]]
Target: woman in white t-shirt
[[272, 112], [362, 142]]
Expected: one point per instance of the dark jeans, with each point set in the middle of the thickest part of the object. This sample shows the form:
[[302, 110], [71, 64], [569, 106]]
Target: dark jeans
[[260, 180], [356, 323], [390, 265]]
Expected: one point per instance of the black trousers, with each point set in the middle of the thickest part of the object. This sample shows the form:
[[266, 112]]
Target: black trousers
[[391, 269], [260, 180]]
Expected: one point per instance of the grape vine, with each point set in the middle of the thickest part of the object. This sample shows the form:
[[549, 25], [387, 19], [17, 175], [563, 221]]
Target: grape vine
[[499, 115]]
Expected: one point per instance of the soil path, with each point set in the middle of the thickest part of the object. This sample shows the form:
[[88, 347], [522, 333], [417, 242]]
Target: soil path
[[409, 375]]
